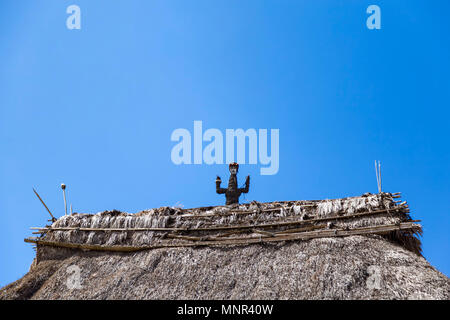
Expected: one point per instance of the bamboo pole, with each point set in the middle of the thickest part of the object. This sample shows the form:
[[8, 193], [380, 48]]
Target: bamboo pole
[[175, 236], [378, 178], [226, 234], [379, 173], [42, 201], [237, 241], [63, 187], [264, 233], [321, 226]]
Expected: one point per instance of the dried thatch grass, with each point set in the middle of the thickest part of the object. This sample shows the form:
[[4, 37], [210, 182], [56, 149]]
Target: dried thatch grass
[[353, 267]]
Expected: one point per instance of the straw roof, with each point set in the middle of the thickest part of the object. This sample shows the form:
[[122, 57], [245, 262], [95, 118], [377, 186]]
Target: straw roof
[[363, 247]]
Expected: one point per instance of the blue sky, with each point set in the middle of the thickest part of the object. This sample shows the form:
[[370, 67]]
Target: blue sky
[[95, 108]]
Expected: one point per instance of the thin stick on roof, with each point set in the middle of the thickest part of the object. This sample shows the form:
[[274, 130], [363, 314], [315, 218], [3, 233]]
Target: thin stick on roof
[[378, 174], [42, 201], [63, 187]]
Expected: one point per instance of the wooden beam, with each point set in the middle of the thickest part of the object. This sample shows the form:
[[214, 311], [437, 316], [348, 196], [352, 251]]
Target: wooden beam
[[382, 229]]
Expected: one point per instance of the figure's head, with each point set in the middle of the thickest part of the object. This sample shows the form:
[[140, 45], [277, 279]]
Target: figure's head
[[234, 168]]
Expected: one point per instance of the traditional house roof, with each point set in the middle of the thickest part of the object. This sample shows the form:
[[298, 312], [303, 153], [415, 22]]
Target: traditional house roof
[[235, 224], [364, 247]]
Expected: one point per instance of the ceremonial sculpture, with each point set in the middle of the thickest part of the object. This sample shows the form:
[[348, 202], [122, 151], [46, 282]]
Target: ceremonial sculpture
[[232, 192]]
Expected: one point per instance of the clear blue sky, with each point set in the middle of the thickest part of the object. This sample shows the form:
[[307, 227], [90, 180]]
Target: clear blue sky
[[94, 108]]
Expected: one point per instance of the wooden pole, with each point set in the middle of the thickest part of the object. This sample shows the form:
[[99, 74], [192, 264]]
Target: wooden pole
[[379, 173], [63, 187], [376, 173], [42, 201], [237, 241]]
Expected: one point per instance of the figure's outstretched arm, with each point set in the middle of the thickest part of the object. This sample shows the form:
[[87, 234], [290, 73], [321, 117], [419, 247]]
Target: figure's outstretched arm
[[247, 185], [219, 190]]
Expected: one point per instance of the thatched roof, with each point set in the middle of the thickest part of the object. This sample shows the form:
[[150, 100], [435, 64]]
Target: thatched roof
[[354, 248]]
